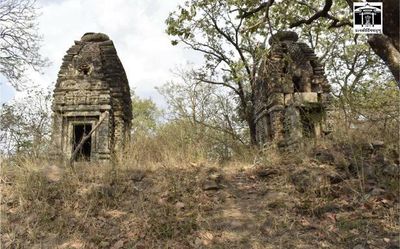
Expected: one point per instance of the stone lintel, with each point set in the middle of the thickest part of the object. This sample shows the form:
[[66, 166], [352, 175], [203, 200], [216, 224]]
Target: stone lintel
[[83, 108], [87, 113], [305, 97]]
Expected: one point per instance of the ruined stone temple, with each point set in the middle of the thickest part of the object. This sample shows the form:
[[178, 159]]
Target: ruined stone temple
[[292, 97], [91, 92]]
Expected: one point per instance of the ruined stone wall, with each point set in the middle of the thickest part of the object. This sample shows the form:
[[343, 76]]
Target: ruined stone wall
[[92, 82], [292, 93]]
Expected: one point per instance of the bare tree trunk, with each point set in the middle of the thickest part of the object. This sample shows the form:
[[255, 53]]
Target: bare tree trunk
[[252, 129], [385, 49], [387, 45]]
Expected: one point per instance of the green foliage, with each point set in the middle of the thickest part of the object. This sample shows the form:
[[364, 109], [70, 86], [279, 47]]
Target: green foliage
[[203, 117], [25, 124], [146, 115], [233, 47], [231, 53]]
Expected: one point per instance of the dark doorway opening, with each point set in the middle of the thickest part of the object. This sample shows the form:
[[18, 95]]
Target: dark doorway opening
[[308, 120], [297, 84], [80, 131]]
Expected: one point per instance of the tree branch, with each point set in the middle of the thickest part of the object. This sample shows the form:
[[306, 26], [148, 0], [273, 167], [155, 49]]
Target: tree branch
[[262, 6], [318, 14], [218, 83]]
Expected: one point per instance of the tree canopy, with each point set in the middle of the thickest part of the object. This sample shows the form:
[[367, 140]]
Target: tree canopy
[[232, 37], [19, 41]]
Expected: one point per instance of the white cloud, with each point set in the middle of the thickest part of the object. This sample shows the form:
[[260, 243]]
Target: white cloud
[[136, 27]]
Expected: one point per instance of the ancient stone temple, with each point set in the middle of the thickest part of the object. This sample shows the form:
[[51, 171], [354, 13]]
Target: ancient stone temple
[[292, 97], [91, 100]]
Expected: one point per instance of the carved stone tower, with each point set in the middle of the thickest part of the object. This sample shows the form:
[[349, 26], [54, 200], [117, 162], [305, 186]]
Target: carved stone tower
[[292, 97], [91, 99]]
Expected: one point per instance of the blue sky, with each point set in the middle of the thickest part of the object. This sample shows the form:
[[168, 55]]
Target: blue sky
[[136, 27]]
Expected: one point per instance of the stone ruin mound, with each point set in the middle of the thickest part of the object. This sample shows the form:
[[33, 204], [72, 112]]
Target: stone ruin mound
[[292, 97]]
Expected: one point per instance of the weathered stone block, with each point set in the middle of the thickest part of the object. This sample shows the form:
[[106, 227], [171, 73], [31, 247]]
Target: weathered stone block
[[305, 98], [276, 99], [288, 99]]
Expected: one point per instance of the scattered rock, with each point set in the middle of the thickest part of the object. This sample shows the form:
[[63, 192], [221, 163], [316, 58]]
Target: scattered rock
[[263, 173], [114, 214], [275, 195], [101, 190], [53, 173], [141, 246], [376, 145], [366, 148], [336, 178], [324, 156], [70, 245], [394, 156], [359, 246], [210, 185], [266, 228], [180, 205], [377, 192], [235, 224], [217, 177], [119, 244], [391, 170], [138, 176], [204, 239], [308, 179], [368, 168], [104, 244], [198, 242]]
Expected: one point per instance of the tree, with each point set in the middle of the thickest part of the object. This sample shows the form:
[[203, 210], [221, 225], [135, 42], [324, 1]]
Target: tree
[[386, 45], [232, 34], [146, 115], [231, 52], [19, 40], [25, 124], [203, 117], [202, 106]]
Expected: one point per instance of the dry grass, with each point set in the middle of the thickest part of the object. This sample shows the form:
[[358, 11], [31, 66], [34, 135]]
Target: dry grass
[[322, 196]]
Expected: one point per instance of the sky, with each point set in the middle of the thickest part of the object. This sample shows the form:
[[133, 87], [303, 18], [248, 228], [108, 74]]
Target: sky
[[137, 28]]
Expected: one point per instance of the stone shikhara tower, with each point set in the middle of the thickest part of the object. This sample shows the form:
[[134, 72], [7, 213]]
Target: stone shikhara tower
[[92, 92], [292, 97]]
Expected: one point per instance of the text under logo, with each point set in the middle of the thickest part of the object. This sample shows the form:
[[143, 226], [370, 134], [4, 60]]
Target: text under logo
[[367, 17]]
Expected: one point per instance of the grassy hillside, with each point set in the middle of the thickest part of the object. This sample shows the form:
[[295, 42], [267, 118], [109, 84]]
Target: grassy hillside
[[327, 195]]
